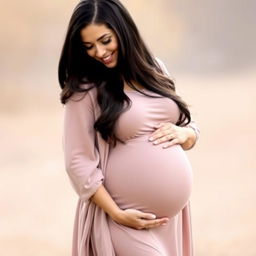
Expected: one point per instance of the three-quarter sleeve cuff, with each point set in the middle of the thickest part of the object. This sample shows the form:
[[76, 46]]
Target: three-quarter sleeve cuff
[[193, 126], [92, 185]]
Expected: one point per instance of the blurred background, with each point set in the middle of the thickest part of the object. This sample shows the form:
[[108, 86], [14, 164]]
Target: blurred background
[[209, 49]]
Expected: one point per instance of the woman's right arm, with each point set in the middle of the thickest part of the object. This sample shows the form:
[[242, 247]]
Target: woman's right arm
[[82, 161], [129, 217]]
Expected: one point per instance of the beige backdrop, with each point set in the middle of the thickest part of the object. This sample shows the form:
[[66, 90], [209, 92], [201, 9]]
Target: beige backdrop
[[208, 46]]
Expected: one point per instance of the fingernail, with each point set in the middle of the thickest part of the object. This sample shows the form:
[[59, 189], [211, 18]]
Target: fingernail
[[153, 216], [164, 224], [151, 138]]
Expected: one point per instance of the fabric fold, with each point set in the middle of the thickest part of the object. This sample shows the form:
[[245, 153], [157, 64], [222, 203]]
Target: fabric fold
[[85, 163]]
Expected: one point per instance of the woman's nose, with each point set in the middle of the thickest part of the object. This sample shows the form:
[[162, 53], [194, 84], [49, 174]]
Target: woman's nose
[[100, 51]]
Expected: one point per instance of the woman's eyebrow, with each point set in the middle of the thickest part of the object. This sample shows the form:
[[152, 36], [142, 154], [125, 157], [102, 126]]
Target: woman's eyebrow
[[98, 38]]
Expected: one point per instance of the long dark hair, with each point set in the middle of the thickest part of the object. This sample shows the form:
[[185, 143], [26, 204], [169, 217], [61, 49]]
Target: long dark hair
[[135, 64]]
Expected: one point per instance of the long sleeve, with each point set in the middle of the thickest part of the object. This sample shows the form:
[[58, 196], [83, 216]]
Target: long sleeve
[[80, 153], [192, 123]]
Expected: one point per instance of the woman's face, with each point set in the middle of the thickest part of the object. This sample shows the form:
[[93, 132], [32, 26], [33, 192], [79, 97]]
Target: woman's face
[[101, 44]]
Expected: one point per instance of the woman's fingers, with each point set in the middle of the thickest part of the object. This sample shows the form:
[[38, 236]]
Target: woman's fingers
[[154, 223], [164, 130], [171, 143], [149, 216], [140, 220], [170, 133], [164, 138], [149, 220]]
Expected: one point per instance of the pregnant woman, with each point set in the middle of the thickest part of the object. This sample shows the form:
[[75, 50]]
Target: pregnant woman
[[125, 132]]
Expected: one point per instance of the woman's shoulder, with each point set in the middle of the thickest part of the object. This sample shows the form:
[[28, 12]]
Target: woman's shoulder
[[90, 88], [162, 66], [87, 94]]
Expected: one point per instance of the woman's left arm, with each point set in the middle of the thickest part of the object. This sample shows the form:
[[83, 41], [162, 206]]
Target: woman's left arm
[[186, 136]]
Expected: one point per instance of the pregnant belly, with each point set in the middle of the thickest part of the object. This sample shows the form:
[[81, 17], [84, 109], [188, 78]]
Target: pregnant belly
[[149, 178]]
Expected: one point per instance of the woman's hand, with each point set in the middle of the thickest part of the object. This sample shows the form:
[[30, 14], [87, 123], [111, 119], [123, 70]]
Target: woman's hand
[[173, 134], [139, 220]]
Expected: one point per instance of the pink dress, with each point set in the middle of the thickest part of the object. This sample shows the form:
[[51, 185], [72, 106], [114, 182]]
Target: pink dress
[[137, 174], [147, 177]]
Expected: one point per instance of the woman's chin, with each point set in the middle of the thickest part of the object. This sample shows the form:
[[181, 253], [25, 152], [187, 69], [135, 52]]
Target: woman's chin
[[111, 65]]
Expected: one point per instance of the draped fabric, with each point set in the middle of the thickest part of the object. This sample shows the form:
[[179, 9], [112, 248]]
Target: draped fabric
[[85, 159]]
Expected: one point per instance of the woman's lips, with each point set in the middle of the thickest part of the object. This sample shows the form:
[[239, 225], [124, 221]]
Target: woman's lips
[[108, 59]]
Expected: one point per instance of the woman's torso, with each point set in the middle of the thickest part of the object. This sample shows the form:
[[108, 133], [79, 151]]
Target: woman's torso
[[141, 175]]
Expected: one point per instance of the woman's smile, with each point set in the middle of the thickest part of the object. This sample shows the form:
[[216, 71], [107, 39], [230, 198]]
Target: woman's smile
[[108, 59]]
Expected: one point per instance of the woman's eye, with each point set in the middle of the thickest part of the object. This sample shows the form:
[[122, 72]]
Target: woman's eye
[[88, 47], [103, 42], [106, 41]]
